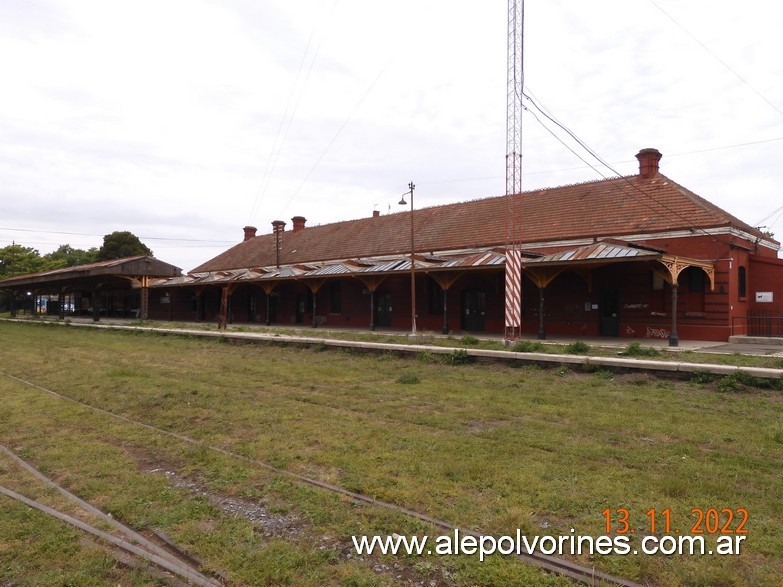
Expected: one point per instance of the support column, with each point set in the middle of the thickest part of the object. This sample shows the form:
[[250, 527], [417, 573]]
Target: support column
[[223, 315], [372, 283], [445, 328], [144, 298], [445, 280], [12, 304], [372, 309], [673, 338], [61, 305], [542, 277], [315, 296], [96, 306]]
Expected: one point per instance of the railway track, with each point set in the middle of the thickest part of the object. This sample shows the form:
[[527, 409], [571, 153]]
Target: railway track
[[129, 541], [559, 566]]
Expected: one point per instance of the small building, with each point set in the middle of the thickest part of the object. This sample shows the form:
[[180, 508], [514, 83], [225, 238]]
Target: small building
[[115, 288], [638, 256]]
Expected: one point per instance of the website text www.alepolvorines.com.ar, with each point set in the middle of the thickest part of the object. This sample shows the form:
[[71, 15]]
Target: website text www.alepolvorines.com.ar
[[459, 543]]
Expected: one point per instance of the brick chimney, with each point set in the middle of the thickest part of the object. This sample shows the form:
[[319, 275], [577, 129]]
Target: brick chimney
[[648, 163], [250, 232], [376, 213], [299, 222]]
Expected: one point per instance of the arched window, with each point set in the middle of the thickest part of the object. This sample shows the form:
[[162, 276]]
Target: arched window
[[742, 283]]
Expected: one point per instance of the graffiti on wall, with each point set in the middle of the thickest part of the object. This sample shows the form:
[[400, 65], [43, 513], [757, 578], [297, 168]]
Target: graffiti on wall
[[657, 333]]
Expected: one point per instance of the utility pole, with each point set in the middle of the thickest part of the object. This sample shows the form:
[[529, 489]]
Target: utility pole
[[514, 88]]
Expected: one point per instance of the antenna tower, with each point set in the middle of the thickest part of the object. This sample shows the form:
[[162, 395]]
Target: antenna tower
[[515, 83]]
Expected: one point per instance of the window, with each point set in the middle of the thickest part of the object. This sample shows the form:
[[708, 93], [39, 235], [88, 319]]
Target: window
[[742, 282], [335, 298]]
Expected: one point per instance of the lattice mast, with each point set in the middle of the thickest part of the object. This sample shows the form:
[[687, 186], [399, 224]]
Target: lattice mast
[[515, 83]]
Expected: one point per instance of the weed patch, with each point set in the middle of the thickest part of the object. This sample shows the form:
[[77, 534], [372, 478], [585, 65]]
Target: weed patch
[[527, 346], [408, 379], [577, 348], [458, 357], [635, 349]]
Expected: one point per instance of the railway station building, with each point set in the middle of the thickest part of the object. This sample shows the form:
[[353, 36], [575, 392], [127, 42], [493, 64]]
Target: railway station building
[[639, 256], [635, 257]]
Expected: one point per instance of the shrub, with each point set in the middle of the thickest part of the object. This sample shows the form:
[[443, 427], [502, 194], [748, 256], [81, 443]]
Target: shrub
[[469, 340], [577, 348], [635, 349], [458, 357], [702, 377], [527, 346], [427, 357]]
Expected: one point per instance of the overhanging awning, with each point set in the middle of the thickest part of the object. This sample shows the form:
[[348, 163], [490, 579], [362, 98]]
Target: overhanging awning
[[581, 260]]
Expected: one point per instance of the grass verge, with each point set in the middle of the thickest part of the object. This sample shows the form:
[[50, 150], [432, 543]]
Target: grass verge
[[493, 448]]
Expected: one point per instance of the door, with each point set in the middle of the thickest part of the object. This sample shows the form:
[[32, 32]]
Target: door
[[301, 304], [274, 304], [251, 307], [473, 310], [383, 308], [610, 313]]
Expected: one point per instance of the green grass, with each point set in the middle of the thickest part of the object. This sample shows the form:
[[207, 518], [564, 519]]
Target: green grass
[[489, 447], [469, 341]]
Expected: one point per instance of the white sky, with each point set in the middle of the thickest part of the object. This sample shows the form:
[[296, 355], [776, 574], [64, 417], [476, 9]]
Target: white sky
[[188, 119]]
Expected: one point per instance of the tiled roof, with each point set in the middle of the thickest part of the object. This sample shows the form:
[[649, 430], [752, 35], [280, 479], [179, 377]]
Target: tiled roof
[[599, 209]]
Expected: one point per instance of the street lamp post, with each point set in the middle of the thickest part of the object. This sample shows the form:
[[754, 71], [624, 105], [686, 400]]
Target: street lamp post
[[413, 266]]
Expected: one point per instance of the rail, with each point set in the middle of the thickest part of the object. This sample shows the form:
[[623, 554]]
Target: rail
[[559, 566]]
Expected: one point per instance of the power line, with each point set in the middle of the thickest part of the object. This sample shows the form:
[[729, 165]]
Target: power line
[[277, 146], [718, 59], [150, 238], [633, 185], [334, 138]]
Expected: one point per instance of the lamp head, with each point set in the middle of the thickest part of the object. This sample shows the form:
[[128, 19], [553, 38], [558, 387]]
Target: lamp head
[[402, 201]]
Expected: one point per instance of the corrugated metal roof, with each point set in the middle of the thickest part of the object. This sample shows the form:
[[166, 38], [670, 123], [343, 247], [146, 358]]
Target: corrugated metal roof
[[597, 252], [594, 253]]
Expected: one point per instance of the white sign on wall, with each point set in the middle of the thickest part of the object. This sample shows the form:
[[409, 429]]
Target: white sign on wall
[[764, 297]]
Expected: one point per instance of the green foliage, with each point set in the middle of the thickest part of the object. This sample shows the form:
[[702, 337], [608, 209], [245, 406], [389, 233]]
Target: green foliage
[[469, 340], [408, 379], [68, 256], [427, 357], [635, 349], [702, 377], [121, 244], [458, 357], [19, 260], [577, 348], [527, 346]]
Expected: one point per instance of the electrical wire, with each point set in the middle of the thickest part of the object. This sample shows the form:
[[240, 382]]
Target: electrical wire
[[151, 238], [635, 187], [718, 59], [334, 138], [286, 120]]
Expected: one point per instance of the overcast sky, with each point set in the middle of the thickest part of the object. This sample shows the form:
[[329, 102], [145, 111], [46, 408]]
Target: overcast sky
[[189, 119]]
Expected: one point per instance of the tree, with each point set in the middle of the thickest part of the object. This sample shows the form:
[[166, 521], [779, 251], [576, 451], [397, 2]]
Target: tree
[[68, 256], [18, 260], [120, 244]]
